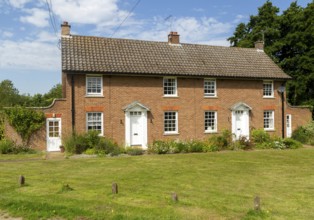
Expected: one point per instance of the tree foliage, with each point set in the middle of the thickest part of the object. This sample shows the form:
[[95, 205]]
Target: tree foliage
[[25, 121], [288, 39]]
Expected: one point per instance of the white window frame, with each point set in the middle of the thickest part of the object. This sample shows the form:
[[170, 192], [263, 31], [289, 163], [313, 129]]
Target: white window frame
[[210, 130], [270, 119], [102, 122], [93, 77], [176, 122], [271, 83], [175, 87], [210, 94]]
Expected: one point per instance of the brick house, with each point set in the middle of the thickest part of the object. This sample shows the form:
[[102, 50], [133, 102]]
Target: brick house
[[138, 91]]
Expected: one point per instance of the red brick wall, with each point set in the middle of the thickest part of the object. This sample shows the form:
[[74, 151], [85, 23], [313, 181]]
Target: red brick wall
[[119, 91]]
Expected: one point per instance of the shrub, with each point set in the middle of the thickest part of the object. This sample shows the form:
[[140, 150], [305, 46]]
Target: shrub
[[220, 142], [108, 146], [195, 146], [6, 146], [259, 136], [9, 147], [304, 134], [134, 151], [243, 143], [159, 147], [292, 144]]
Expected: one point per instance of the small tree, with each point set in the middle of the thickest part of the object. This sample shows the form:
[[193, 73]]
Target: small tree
[[25, 121]]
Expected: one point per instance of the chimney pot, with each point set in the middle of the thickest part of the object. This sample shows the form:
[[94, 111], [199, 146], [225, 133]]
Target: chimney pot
[[174, 38], [259, 45], [65, 29]]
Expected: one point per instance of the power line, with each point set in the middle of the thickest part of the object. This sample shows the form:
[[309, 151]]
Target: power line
[[116, 30], [53, 21]]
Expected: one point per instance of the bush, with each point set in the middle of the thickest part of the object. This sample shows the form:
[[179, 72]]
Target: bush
[[304, 134], [195, 146], [6, 146], [79, 143], [9, 147], [134, 151], [292, 144], [160, 147], [259, 136]]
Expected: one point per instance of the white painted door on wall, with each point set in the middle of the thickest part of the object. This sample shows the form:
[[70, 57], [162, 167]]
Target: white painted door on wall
[[289, 125], [136, 128], [53, 134], [240, 123]]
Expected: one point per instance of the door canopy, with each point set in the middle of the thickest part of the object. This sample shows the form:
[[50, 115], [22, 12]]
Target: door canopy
[[135, 105], [240, 106]]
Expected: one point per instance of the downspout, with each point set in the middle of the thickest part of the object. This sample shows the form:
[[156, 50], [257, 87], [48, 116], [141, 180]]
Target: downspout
[[283, 114], [73, 102]]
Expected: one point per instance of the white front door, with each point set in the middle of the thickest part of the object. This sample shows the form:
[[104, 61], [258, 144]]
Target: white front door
[[289, 125], [136, 128], [240, 123], [53, 134]]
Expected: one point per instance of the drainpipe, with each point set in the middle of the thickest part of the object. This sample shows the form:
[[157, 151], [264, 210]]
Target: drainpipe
[[281, 90], [73, 102]]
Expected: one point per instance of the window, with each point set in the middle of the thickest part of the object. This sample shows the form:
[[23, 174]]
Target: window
[[210, 121], [268, 89], [170, 86], [269, 120], [94, 122], [171, 122], [93, 85], [210, 87]]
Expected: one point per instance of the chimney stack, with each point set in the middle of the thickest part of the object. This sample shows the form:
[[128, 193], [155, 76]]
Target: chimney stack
[[65, 29], [259, 45], [173, 38]]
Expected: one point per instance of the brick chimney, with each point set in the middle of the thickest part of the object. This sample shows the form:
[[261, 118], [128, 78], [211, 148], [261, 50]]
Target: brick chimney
[[173, 38], [259, 45], [65, 29]]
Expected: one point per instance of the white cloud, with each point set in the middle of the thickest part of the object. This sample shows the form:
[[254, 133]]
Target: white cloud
[[6, 34], [18, 3], [96, 12], [37, 17], [29, 55]]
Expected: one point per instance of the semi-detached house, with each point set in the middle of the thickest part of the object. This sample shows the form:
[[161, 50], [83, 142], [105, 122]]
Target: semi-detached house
[[136, 91]]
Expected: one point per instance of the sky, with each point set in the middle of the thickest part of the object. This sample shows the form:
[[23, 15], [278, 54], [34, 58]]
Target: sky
[[30, 53]]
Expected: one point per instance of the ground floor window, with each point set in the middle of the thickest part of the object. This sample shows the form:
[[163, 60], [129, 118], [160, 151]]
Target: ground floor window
[[94, 122], [171, 122], [269, 120], [210, 121]]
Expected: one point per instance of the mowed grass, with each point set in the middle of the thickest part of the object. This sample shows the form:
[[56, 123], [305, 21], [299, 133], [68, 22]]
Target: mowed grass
[[218, 185]]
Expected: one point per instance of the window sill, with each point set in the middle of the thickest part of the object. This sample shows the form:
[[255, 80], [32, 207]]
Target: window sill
[[94, 96], [210, 97], [169, 96], [271, 130], [170, 134], [211, 132], [268, 97]]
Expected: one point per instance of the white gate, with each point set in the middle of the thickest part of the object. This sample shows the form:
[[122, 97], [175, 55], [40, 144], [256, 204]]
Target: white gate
[[289, 125]]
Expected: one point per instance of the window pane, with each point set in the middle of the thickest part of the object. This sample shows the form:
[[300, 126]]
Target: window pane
[[170, 86], [170, 122], [210, 87], [94, 121], [210, 121], [268, 89], [94, 85], [269, 119]]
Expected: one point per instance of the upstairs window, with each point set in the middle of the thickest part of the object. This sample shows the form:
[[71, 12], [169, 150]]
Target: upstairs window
[[171, 122], [268, 89], [269, 120], [94, 85], [210, 121], [170, 86], [94, 122], [210, 87]]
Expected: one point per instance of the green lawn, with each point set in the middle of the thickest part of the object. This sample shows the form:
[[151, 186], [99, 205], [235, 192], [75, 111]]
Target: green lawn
[[218, 185]]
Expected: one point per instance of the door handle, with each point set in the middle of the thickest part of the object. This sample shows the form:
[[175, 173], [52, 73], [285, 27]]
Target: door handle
[[135, 134]]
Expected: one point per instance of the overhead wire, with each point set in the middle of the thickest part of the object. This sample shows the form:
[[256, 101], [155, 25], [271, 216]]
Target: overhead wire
[[52, 20], [133, 8]]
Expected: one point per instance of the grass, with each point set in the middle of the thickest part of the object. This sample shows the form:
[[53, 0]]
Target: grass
[[218, 185]]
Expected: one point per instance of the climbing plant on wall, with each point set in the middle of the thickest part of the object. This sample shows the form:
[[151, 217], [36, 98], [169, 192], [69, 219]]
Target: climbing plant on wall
[[25, 121]]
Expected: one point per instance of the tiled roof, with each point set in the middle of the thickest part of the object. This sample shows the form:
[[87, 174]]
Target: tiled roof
[[116, 56]]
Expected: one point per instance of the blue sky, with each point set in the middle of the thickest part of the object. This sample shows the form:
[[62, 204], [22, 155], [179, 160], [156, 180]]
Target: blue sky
[[29, 53]]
